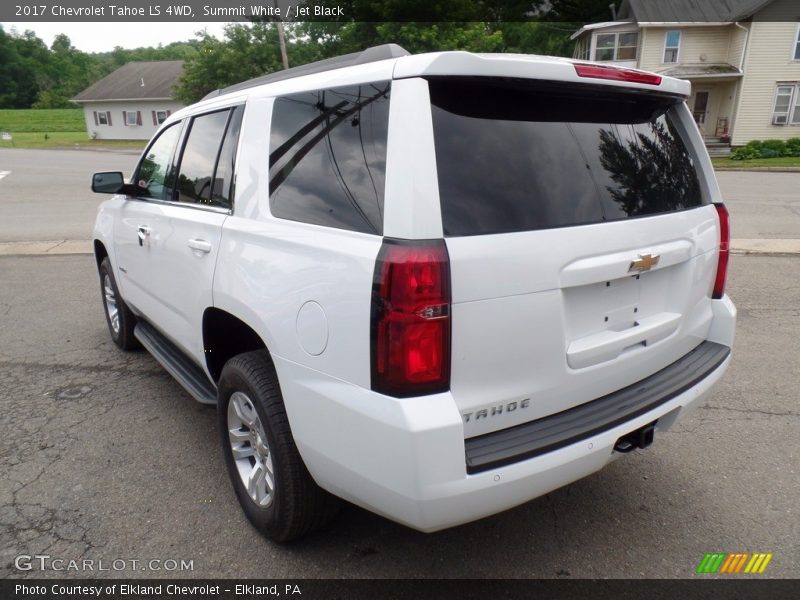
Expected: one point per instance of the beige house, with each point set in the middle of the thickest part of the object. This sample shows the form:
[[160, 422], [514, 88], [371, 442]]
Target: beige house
[[131, 102], [741, 56]]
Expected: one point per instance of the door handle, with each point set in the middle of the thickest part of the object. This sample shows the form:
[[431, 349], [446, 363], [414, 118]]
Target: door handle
[[200, 245], [143, 232]]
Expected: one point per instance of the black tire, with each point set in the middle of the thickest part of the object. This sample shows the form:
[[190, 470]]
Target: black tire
[[122, 335], [297, 505]]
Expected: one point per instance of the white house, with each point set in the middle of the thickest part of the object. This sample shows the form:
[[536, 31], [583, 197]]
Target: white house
[[131, 102], [741, 56]]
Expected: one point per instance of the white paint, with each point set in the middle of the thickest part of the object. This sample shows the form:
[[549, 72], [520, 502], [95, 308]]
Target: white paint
[[4, 174]]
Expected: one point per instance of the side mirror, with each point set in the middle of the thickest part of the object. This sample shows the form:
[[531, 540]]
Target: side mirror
[[107, 183]]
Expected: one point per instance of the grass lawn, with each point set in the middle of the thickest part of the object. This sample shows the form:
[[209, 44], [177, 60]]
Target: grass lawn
[[64, 128], [50, 120], [781, 161], [67, 140]]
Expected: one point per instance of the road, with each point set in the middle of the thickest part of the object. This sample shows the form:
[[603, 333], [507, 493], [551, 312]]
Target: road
[[46, 194], [103, 456], [56, 204]]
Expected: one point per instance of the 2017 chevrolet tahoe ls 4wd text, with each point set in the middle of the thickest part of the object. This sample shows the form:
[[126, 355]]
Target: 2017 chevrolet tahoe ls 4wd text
[[436, 286]]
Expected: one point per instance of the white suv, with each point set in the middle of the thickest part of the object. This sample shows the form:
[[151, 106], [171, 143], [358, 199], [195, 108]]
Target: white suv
[[436, 286]]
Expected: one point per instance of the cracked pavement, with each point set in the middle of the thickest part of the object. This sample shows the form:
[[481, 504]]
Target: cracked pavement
[[103, 456]]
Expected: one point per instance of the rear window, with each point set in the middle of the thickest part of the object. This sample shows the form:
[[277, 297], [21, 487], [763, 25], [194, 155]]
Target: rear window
[[518, 156], [327, 159]]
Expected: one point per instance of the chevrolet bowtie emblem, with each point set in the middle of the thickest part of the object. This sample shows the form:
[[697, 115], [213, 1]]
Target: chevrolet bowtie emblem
[[645, 262]]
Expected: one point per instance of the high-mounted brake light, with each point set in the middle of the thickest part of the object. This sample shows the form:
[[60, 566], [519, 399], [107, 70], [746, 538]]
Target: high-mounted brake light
[[617, 74], [410, 326], [724, 250]]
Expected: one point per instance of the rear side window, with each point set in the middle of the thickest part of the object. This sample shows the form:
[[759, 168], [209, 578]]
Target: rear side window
[[518, 156], [199, 158], [327, 160]]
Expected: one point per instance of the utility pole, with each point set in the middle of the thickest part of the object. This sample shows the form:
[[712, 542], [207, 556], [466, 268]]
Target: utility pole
[[281, 38]]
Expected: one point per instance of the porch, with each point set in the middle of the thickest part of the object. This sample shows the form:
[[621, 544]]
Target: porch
[[713, 101]]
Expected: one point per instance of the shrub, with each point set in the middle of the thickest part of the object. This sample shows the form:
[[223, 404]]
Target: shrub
[[775, 147], [767, 149], [744, 153], [770, 153], [793, 146]]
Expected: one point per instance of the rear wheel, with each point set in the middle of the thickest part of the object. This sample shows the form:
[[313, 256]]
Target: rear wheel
[[271, 482], [119, 317]]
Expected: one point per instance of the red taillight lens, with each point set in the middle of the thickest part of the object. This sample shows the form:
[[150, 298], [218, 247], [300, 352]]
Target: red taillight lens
[[411, 319], [617, 74], [724, 250]]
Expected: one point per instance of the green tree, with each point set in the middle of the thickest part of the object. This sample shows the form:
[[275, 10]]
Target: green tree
[[246, 52], [20, 69]]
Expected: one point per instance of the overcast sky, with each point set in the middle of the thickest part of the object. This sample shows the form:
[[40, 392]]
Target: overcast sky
[[102, 37]]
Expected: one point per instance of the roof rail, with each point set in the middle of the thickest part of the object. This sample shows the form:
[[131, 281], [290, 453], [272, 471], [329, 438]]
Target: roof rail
[[369, 55]]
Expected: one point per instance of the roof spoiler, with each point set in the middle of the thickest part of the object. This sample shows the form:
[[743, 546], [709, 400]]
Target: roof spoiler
[[369, 55]]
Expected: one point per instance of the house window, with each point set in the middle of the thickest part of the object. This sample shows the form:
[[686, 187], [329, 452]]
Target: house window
[[787, 105], [616, 46], [672, 42], [161, 116], [102, 118], [130, 117], [797, 44]]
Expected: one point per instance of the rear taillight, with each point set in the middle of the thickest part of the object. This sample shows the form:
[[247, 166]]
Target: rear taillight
[[617, 74], [411, 318], [724, 250]]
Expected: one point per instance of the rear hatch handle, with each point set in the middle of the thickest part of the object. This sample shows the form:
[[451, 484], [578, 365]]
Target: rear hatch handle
[[608, 345]]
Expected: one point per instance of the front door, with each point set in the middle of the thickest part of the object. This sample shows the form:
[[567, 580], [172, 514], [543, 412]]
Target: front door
[[700, 108], [141, 223]]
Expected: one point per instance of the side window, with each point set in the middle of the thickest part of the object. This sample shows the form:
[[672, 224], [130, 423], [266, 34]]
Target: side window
[[327, 158], [672, 43], [783, 104], [154, 173], [222, 190], [605, 46], [196, 171], [796, 54]]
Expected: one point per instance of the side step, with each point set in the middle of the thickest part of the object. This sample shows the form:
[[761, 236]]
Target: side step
[[177, 364]]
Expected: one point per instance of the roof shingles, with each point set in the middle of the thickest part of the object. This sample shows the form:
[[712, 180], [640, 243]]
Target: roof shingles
[[136, 81], [683, 11]]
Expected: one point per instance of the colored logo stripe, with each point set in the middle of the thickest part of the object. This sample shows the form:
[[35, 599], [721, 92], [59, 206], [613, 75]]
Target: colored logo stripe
[[711, 562], [722, 562], [758, 563]]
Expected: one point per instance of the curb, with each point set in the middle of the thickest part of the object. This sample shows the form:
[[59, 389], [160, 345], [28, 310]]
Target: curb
[[49, 247], [761, 169], [764, 247]]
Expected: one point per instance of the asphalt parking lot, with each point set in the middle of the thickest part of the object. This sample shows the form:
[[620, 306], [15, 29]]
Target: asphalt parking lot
[[104, 457]]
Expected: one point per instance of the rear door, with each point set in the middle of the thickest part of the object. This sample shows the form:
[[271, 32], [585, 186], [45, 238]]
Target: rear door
[[581, 239]]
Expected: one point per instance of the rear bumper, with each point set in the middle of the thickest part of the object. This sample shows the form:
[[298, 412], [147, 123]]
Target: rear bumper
[[406, 459], [550, 433]]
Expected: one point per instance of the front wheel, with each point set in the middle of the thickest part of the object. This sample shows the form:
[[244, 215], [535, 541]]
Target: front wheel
[[119, 317], [269, 477]]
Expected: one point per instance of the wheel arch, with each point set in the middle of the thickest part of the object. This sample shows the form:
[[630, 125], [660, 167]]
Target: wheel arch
[[224, 336], [100, 252]]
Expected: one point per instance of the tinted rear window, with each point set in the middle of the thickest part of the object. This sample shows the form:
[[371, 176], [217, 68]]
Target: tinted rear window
[[517, 156], [327, 158]]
